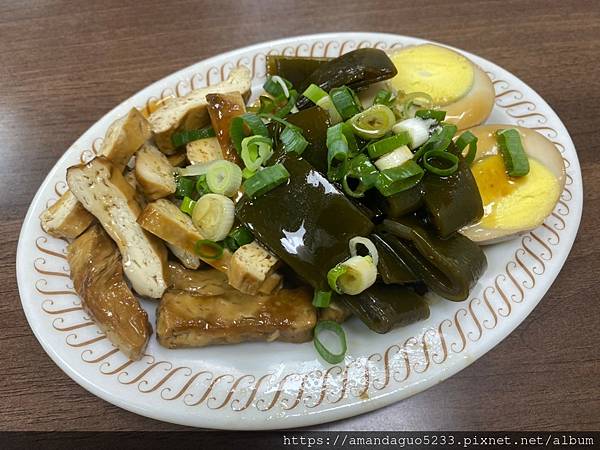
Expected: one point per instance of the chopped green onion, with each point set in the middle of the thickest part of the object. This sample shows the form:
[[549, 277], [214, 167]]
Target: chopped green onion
[[412, 99], [384, 97], [431, 114], [398, 179], [330, 325], [256, 150], [266, 105], [515, 158], [467, 138], [361, 169], [224, 177], [277, 86], [182, 137], [201, 186], [239, 124], [334, 274], [345, 101], [353, 276], [265, 180], [275, 118], [326, 104], [194, 170], [247, 173], [367, 243], [439, 140], [207, 249], [417, 129], [287, 107], [380, 148], [314, 93], [338, 151], [242, 236], [440, 155], [185, 187], [292, 140], [321, 299], [374, 122], [238, 237], [187, 205], [394, 159]]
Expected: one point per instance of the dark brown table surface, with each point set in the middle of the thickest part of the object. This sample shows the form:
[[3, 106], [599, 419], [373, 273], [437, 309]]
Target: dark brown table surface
[[65, 64]]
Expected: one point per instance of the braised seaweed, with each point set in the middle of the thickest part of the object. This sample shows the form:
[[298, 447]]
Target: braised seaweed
[[314, 123], [384, 307], [295, 69], [355, 69], [449, 267], [306, 222], [396, 205], [391, 268], [452, 202]]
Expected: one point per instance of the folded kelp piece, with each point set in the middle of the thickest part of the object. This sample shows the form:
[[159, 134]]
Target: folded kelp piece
[[356, 69], [306, 222], [384, 307], [449, 267], [295, 69], [453, 201]]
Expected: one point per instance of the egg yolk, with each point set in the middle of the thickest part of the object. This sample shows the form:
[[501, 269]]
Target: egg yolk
[[443, 74], [514, 203]]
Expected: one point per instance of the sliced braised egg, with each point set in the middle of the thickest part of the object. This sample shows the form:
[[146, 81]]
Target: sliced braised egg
[[514, 205], [453, 82]]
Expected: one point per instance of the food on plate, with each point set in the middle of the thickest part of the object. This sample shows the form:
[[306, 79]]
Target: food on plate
[[202, 151], [66, 218], [124, 137], [514, 205], [104, 192], [165, 220], [344, 189], [153, 172], [449, 80], [185, 319], [97, 275], [250, 266], [190, 112], [222, 108]]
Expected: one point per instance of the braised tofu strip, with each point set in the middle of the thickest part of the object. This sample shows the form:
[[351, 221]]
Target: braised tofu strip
[[97, 276], [185, 319]]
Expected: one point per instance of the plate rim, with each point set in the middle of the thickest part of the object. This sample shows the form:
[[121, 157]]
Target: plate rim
[[321, 416]]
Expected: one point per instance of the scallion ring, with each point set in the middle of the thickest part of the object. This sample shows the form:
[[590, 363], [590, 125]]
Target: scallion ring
[[292, 140], [265, 180], [207, 249], [330, 325], [187, 205], [326, 104], [434, 114], [276, 86], [185, 187], [374, 122], [420, 99], [513, 154], [398, 179], [467, 138], [345, 101], [384, 97], [239, 125], [314, 93], [440, 155], [368, 243], [256, 150], [321, 299], [224, 177], [213, 215], [353, 275], [180, 138], [380, 148]]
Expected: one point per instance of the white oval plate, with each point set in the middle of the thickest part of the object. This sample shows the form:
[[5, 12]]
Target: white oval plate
[[277, 385]]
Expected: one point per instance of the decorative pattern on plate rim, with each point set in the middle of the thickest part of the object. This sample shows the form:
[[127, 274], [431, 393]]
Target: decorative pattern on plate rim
[[358, 378]]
